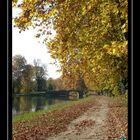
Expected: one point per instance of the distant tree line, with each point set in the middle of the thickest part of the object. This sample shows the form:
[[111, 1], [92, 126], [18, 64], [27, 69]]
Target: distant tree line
[[27, 77]]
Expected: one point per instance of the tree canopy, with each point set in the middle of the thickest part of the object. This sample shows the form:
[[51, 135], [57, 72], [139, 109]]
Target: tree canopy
[[91, 40]]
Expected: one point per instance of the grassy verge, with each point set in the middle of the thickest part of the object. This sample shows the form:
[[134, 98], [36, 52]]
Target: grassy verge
[[31, 115]]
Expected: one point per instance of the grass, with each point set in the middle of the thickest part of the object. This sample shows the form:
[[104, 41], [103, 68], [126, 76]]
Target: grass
[[31, 115]]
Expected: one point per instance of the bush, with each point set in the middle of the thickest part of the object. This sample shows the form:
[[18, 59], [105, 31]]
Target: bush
[[73, 95]]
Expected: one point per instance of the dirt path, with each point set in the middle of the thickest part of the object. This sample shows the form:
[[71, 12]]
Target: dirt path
[[90, 126]]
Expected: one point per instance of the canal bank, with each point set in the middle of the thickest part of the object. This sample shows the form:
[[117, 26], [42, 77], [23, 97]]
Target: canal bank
[[54, 107]]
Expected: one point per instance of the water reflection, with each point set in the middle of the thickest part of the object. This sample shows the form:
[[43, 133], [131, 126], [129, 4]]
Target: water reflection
[[40, 103], [51, 101], [23, 104]]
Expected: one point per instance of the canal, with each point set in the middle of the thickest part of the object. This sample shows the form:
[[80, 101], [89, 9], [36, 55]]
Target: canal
[[22, 104]]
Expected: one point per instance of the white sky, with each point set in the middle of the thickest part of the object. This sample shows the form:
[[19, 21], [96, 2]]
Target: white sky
[[27, 45]]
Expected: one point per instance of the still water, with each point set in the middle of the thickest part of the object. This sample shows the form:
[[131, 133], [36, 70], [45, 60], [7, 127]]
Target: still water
[[23, 104]]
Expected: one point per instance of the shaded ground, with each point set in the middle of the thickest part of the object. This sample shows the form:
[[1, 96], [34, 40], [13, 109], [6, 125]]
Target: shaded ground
[[98, 118]]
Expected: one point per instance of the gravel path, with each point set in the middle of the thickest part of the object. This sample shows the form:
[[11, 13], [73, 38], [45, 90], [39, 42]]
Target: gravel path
[[90, 126]]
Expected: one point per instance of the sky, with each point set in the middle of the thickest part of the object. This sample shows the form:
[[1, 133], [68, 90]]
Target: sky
[[31, 48]]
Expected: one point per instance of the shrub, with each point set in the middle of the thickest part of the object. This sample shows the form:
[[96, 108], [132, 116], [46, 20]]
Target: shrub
[[73, 95]]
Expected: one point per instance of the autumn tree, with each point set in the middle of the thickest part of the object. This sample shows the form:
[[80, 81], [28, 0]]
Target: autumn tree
[[50, 84], [18, 66], [40, 75], [27, 79], [91, 36], [58, 84]]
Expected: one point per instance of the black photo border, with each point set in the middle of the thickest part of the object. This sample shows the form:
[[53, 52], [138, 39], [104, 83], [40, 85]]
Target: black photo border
[[6, 70]]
